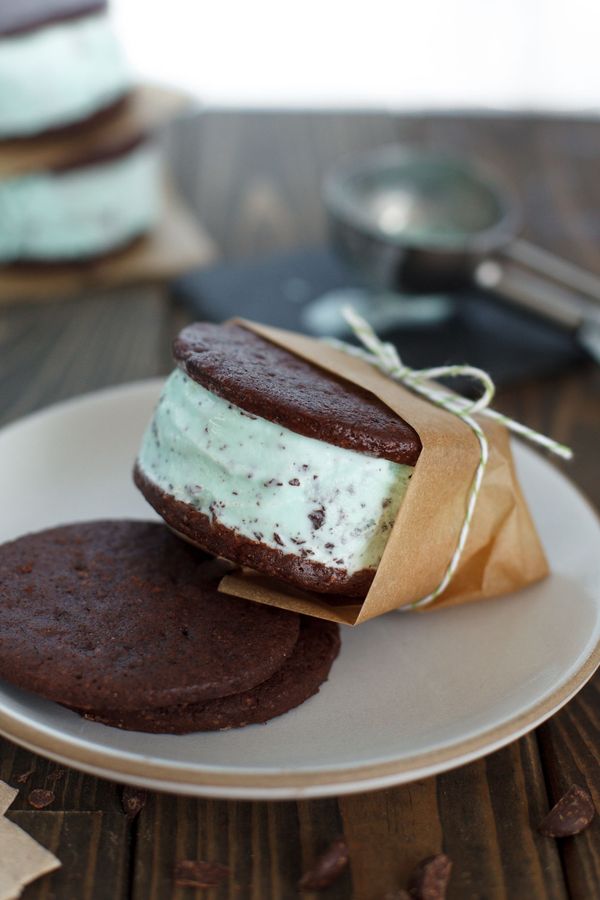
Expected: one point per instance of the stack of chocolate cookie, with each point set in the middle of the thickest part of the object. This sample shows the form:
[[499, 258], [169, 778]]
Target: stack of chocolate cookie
[[122, 622]]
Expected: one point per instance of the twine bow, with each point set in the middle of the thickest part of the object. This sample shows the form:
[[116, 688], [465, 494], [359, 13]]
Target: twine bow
[[386, 358]]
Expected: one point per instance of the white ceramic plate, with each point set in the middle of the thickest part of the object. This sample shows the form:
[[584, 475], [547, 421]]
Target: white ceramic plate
[[409, 696]]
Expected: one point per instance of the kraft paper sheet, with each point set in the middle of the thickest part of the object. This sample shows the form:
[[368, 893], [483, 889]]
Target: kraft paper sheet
[[22, 859], [503, 552]]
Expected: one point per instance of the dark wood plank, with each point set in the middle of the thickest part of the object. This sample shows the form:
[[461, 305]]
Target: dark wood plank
[[388, 833], [73, 790], [266, 846], [53, 351], [531, 867], [93, 848], [483, 815], [569, 744], [489, 813], [265, 192], [566, 407]]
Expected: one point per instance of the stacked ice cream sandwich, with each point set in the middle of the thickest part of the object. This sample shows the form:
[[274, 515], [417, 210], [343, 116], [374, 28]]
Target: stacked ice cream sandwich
[[64, 77]]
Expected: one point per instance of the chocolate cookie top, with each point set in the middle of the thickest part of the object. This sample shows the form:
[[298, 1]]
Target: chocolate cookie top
[[123, 614], [267, 381], [17, 16]]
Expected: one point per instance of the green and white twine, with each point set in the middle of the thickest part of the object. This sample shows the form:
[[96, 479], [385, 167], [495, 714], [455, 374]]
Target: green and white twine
[[385, 357]]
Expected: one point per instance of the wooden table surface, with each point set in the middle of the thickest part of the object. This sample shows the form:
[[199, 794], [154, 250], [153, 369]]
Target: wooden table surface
[[255, 178]]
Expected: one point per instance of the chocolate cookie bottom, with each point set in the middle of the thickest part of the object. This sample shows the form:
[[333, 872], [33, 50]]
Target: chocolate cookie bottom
[[215, 538], [122, 614], [298, 679]]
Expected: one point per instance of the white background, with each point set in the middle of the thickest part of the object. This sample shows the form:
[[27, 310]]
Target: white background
[[406, 54]]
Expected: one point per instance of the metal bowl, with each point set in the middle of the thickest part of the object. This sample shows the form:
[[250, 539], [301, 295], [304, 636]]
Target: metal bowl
[[414, 220]]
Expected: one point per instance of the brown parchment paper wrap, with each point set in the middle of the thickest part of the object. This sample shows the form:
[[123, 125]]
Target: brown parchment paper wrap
[[502, 553], [22, 859]]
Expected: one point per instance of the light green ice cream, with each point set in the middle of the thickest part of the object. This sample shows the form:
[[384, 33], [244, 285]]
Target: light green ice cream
[[59, 74], [79, 212], [293, 493]]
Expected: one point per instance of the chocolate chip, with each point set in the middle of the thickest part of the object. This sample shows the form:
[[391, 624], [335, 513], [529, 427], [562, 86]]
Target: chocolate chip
[[277, 539], [430, 878], [573, 812], [317, 517], [198, 873], [55, 775], [294, 482], [133, 801], [327, 869], [39, 798]]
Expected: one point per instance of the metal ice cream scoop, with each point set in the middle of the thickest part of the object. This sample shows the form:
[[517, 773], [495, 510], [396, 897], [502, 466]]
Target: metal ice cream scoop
[[416, 221]]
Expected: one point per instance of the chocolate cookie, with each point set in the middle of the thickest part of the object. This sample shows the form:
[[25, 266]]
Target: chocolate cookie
[[208, 534], [298, 679], [105, 150], [270, 382], [122, 614]]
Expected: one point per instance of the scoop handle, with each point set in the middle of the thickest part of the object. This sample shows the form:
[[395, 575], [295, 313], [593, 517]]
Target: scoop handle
[[537, 294], [551, 267]]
